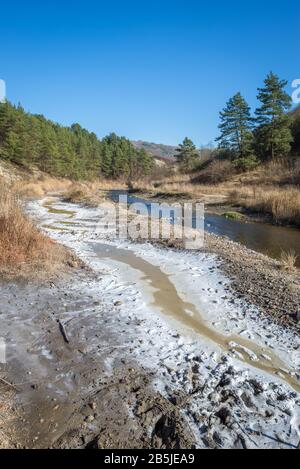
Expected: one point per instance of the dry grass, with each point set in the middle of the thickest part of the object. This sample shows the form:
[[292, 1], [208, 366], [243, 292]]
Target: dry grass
[[274, 173], [5, 420], [24, 250], [80, 193], [37, 188], [281, 203], [271, 189], [288, 260], [107, 184], [88, 194], [91, 193], [215, 172], [180, 185]]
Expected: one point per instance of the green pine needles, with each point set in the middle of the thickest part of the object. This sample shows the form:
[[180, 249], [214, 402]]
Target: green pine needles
[[73, 152], [267, 136]]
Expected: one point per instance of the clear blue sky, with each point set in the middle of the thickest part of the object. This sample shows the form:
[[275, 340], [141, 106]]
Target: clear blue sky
[[151, 70]]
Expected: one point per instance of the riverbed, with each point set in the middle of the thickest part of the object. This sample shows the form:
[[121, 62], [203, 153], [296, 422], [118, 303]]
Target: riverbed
[[230, 371]]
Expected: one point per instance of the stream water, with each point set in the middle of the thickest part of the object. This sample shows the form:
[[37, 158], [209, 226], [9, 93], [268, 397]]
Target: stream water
[[261, 237]]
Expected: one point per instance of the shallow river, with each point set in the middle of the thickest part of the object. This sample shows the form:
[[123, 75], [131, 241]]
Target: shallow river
[[261, 237]]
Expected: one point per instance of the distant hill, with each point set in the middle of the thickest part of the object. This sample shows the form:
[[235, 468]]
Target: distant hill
[[156, 149]]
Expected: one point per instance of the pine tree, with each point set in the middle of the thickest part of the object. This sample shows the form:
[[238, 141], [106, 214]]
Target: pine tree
[[66, 151], [236, 128], [106, 159], [187, 154], [146, 162], [273, 136]]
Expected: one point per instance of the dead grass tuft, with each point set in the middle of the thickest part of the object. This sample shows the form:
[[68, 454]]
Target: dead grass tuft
[[23, 248], [288, 260]]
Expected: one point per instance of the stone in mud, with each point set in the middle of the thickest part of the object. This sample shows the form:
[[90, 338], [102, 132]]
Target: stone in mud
[[141, 407], [118, 303], [93, 405], [90, 418], [214, 397]]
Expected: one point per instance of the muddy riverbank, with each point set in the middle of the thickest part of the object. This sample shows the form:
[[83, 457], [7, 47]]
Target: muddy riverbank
[[77, 394], [254, 276], [147, 324]]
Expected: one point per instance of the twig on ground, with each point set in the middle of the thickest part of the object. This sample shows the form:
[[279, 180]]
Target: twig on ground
[[2, 380], [63, 332]]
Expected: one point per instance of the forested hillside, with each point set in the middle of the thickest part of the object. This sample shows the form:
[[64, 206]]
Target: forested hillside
[[34, 141]]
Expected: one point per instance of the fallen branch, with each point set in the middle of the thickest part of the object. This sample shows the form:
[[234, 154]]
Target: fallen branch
[[277, 439]]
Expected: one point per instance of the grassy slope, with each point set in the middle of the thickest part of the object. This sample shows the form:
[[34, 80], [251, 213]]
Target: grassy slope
[[271, 190]]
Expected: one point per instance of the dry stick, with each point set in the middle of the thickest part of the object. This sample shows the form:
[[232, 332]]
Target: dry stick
[[63, 332], [277, 439], [7, 383]]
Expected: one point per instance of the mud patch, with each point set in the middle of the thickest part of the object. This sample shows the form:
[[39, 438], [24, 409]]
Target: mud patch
[[145, 418], [167, 299]]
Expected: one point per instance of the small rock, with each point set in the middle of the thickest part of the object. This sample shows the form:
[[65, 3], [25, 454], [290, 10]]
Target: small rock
[[90, 418]]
